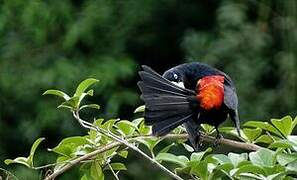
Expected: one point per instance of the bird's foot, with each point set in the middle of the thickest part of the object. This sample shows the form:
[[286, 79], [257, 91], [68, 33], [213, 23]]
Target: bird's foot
[[218, 139], [198, 143]]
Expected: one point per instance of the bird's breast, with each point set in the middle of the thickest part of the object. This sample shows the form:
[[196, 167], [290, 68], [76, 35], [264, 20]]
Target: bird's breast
[[210, 92]]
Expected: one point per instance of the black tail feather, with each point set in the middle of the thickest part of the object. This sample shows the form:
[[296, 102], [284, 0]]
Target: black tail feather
[[192, 128], [156, 91], [155, 82], [152, 117], [158, 77], [164, 127], [167, 105]]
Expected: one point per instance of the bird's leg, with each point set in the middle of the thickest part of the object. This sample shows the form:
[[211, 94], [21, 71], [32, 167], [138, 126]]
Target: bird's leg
[[218, 137], [197, 140]]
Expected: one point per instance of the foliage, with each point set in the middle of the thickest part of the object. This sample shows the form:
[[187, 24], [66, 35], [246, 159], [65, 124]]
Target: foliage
[[276, 159]]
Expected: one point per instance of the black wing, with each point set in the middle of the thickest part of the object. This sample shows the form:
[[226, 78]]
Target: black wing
[[231, 101]]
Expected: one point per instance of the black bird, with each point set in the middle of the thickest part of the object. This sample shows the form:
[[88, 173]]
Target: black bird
[[188, 94]]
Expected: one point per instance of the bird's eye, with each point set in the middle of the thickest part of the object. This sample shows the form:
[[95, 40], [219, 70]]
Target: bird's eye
[[175, 76]]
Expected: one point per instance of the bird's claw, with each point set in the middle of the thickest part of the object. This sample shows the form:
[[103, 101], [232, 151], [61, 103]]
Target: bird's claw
[[218, 139], [198, 143]]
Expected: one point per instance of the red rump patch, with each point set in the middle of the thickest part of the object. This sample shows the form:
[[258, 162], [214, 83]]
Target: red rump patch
[[210, 91]]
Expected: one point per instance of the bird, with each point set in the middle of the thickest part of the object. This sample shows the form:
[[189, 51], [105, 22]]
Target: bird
[[189, 94]]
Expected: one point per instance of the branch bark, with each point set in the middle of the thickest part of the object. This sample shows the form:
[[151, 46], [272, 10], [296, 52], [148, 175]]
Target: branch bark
[[204, 138]]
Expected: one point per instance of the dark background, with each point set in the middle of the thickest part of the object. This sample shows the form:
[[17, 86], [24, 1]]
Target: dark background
[[55, 44]]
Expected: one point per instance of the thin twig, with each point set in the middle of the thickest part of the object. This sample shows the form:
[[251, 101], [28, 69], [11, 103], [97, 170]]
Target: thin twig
[[204, 138], [46, 166], [113, 173]]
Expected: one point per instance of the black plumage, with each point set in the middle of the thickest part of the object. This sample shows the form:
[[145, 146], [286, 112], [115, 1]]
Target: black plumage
[[168, 105]]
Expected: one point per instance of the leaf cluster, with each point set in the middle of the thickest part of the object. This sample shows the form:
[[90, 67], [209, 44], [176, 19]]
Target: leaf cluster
[[277, 159]]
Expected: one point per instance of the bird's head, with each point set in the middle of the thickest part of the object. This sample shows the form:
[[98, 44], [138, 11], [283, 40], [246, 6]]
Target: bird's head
[[176, 76], [187, 75]]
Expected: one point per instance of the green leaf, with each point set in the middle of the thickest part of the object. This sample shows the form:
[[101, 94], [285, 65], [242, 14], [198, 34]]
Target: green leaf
[[57, 93], [84, 177], [284, 159], [284, 125], [143, 129], [243, 163], [188, 147], [263, 157], [72, 102], [293, 140], [277, 176], [179, 160], [82, 96], [208, 128], [167, 148], [108, 125], [110, 152], [225, 167], [200, 170], [65, 106], [197, 156], [250, 176], [292, 166], [68, 146], [138, 121], [150, 143], [94, 106], [29, 160], [117, 167], [264, 139], [184, 170], [126, 127], [221, 158], [33, 149], [98, 122], [250, 168], [294, 123], [263, 125], [252, 134], [123, 153], [18, 160], [275, 169], [236, 159], [90, 92], [220, 173], [140, 109], [96, 171], [232, 131], [84, 85], [209, 159], [283, 144]]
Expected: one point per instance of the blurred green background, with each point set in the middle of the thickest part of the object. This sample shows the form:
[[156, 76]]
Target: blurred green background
[[46, 44]]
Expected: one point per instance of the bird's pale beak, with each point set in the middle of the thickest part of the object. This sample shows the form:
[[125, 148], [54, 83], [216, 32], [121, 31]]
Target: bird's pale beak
[[179, 84]]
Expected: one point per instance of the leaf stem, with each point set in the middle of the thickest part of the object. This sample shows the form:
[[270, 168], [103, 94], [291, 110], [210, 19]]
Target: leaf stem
[[113, 173]]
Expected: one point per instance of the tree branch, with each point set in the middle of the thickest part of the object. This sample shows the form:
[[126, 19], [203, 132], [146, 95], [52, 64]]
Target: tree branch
[[119, 139], [204, 138]]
